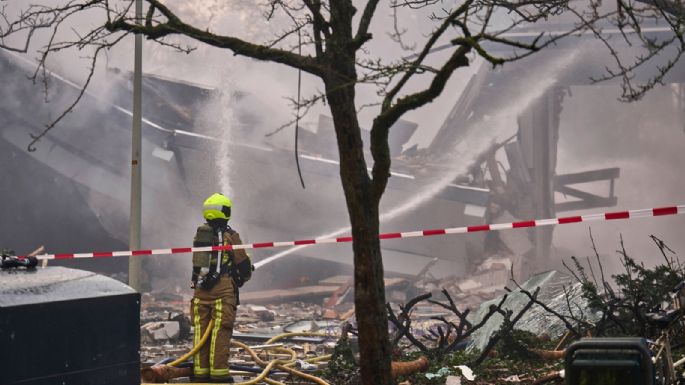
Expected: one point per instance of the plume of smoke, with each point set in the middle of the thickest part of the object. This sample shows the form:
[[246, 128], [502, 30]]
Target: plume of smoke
[[645, 140]]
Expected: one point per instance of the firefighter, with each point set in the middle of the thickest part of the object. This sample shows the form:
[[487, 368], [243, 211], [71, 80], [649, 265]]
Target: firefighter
[[216, 278]]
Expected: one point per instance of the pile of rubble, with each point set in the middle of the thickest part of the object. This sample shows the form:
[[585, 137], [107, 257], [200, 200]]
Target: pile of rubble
[[486, 282], [166, 330]]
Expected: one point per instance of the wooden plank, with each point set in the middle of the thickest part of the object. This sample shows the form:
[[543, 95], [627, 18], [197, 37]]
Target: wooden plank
[[339, 280], [336, 280], [587, 176], [304, 293]]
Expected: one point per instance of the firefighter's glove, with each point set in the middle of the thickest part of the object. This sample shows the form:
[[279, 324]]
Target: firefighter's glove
[[208, 281]]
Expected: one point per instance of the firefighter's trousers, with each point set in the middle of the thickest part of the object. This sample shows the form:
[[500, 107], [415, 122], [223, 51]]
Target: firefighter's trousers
[[218, 304]]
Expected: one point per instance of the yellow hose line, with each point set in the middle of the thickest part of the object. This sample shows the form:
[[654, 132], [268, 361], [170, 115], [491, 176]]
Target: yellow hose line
[[267, 366], [302, 375], [196, 348], [320, 358], [314, 359], [298, 334], [259, 361], [261, 375], [282, 364]]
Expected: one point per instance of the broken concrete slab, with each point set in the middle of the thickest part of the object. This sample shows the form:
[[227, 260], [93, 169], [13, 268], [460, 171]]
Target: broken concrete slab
[[553, 289], [160, 331]]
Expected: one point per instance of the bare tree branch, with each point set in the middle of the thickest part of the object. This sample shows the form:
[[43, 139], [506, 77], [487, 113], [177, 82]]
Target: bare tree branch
[[363, 34], [174, 25]]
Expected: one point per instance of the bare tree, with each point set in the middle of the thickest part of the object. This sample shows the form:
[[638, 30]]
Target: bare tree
[[638, 23], [327, 40]]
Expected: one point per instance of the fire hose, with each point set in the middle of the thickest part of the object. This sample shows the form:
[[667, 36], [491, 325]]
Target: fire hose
[[195, 348], [280, 364], [283, 365]]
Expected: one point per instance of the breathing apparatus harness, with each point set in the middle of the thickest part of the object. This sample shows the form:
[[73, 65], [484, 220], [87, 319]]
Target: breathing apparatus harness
[[207, 278], [210, 273]]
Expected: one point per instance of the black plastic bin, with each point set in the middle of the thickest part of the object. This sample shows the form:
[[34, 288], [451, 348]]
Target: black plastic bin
[[609, 361]]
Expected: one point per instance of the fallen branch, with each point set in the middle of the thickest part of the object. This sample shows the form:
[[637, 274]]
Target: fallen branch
[[404, 326], [508, 326]]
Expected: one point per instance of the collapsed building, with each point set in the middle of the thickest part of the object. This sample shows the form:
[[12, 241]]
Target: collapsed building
[[474, 171], [482, 166]]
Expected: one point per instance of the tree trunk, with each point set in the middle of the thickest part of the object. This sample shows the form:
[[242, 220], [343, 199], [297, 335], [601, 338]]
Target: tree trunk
[[340, 78], [362, 205]]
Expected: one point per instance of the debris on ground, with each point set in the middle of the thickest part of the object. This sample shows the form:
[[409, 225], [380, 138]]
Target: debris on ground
[[466, 372], [323, 308], [517, 333], [442, 372], [159, 331]]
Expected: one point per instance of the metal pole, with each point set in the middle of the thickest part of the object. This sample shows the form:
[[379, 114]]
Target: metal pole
[[134, 265]]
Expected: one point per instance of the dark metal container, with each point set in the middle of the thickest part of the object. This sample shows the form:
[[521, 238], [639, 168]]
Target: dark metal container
[[67, 326]]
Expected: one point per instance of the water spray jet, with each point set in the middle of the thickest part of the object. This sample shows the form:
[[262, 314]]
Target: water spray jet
[[501, 129]]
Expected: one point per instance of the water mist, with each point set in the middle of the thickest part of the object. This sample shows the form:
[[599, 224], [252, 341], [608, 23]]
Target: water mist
[[498, 125]]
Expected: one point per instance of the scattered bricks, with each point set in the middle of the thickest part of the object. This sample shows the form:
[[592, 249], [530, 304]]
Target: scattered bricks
[[330, 314]]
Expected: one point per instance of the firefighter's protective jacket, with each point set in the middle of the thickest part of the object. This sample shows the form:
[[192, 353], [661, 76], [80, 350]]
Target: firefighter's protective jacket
[[218, 302]]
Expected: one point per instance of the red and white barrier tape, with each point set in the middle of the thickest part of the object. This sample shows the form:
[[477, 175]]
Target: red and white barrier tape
[[630, 214]]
